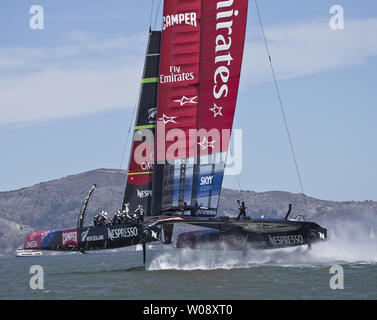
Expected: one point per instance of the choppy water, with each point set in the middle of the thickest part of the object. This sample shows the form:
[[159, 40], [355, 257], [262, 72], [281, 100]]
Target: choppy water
[[198, 274]]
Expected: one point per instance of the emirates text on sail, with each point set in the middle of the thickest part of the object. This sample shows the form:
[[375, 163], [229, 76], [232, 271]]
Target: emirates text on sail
[[223, 43]]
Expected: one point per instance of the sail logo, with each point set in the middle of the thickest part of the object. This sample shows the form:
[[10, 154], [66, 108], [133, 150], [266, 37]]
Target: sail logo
[[216, 111], [223, 57], [145, 165], [69, 238], [175, 75], [205, 181], [205, 144], [143, 193], [187, 100], [148, 164], [152, 112], [166, 119], [188, 18]]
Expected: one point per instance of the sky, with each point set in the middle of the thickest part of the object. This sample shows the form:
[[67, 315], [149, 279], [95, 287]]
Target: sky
[[67, 93]]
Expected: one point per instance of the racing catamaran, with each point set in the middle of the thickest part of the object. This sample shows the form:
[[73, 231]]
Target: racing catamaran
[[181, 139]]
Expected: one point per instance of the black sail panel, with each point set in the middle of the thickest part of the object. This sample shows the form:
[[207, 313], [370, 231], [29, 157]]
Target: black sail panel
[[140, 171]]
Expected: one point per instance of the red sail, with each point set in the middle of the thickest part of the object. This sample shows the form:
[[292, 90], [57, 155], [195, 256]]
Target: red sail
[[223, 25], [179, 72], [201, 56]]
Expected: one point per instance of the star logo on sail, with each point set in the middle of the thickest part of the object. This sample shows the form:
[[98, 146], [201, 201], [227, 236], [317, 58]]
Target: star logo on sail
[[205, 144], [184, 100], [216, 111], [167, 119]]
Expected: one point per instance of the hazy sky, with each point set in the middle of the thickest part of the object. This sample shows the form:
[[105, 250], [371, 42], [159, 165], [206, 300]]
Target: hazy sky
[[67, 93]]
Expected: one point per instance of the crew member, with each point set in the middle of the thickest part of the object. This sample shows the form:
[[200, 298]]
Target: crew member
[[117, 219], [101, 219], [242, 208], [126, 217], [104, 220], [96, 219], [138, 215]]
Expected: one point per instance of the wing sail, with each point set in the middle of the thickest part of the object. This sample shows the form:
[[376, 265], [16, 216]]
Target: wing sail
[[201, 56], [140, 172]]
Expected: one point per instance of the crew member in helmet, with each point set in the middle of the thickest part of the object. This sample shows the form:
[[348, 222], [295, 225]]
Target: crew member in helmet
[[104, 220], [138, 215], [101, 219], [96, 220], [117, 219], [242, 208], [126, 217]]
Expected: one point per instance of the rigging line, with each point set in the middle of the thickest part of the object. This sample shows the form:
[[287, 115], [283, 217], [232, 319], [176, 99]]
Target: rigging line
[[133, 118], [282, 110], [239, 182], [158, 9], [150, 18], [128, 133]]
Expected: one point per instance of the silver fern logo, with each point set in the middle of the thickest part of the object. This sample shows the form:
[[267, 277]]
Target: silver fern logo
[[84, 235]]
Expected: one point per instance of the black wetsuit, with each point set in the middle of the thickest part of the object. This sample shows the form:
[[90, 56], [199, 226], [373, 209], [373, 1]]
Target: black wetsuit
[[242, 208], [126, 218], [117, 219], [100, 220], [139, 215]]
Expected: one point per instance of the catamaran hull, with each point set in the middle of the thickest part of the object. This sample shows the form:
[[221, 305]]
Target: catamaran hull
[[268, 235], [237, 234], [88, 238]]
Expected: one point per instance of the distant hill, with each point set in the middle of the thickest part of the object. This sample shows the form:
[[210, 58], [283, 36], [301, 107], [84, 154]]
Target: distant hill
[[56, 204]]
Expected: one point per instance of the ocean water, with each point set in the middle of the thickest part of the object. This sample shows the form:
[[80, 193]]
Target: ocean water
[[179, 274]]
